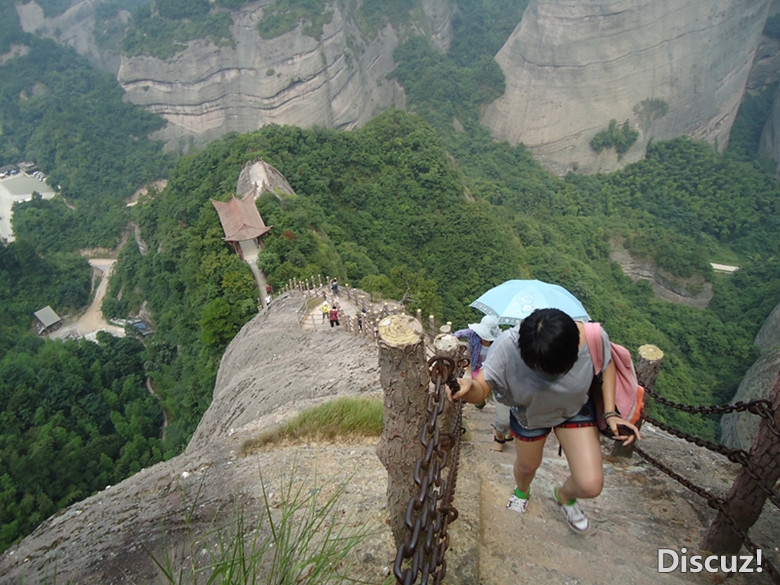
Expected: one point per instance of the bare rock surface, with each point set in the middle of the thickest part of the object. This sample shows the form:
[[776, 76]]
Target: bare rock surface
[[571, 66], [670, 289], [274, 369]]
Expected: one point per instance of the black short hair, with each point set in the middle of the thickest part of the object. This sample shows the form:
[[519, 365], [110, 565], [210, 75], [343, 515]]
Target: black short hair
[[549, 341]]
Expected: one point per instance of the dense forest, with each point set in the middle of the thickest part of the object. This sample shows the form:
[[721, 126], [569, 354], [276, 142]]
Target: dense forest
[[423, 202], [75, 416]]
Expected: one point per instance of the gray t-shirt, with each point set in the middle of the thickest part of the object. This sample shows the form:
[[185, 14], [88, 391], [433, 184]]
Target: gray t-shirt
[[538, 401]]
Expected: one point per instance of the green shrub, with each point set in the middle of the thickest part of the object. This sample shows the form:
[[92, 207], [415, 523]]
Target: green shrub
[[285, 15], [618, 137]]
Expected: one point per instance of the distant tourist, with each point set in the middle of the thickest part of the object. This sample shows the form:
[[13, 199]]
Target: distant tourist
[[334, 287], [267, 300], [324, 308], [334, 316], [480, 337]]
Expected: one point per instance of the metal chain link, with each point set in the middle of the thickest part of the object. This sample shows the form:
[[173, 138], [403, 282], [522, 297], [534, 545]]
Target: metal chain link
[[429, 514], [760, 407], [734, 455], [713, 501]]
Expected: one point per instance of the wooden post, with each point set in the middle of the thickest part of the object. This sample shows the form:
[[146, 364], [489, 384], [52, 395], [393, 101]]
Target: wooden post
[[746, 499], [647, 367], [403, 373], [446, 344]]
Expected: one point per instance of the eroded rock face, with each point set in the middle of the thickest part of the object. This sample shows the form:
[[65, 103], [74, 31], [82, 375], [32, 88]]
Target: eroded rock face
[[261, 177], [338, 81], [768, 337], [739, 429], [75, 28], [571, 66]]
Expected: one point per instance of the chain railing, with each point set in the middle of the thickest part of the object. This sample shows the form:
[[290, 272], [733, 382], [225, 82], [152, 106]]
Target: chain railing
[[430, 512], [762, 408]]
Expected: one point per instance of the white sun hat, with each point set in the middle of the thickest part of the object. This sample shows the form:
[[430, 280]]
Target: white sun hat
[[487, 329]]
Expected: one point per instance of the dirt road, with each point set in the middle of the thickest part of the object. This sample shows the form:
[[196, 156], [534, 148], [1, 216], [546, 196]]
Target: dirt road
[[90, 322]]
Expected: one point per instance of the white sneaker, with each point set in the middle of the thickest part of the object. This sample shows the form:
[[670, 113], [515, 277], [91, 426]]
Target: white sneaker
[[517, 504], [575, 515]]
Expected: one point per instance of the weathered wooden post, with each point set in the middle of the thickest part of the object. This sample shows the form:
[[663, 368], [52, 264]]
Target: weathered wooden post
[[403, 373], [746, 498], [648, 365], [447, 345]]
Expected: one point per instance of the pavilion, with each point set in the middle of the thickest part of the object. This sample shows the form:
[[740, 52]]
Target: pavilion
[[241, 222]]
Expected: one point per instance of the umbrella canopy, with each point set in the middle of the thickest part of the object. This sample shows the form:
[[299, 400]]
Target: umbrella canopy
[[513, 300]]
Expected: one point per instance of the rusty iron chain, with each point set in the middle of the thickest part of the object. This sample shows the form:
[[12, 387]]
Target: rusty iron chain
[[430, 512], [734, 455], [713, 501], [760, 407]]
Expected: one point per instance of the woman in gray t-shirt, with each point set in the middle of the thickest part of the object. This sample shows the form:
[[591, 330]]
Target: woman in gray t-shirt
[[542, 369]]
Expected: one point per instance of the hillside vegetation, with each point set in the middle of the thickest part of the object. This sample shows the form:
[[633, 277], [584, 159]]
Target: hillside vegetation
[[420, 205]]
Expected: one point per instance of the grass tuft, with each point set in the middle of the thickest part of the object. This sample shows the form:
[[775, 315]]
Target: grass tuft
[[345, 418], [301, 535]]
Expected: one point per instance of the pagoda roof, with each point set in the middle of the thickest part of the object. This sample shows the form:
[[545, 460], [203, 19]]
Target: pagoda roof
[[240, 219]]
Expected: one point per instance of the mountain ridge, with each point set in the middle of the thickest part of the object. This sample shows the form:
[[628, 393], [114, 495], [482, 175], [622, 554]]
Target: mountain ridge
[[667, 69], [272, 370]]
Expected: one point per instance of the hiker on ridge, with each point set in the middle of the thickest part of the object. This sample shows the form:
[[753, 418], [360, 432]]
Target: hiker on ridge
[[480, 337], [542, 369]]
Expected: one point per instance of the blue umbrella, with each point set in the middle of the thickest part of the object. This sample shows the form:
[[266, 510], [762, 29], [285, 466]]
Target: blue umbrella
[[513, 300]]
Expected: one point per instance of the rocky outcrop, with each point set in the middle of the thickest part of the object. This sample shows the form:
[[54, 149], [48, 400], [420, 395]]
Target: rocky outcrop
[[669, 67], [694, 292], [75, 28], [273, 370], [768, 337], [739, 429], [337, 81], [261, 177]]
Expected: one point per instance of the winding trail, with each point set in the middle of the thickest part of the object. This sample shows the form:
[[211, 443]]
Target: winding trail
[[91, 321]]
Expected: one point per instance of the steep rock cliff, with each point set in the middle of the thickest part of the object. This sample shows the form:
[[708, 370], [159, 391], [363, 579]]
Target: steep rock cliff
[[739, 428], [75, 27], [338, 81], [669, 67]]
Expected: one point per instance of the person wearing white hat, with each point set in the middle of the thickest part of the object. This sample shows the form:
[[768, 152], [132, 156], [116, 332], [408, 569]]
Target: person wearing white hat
[[480, 337]]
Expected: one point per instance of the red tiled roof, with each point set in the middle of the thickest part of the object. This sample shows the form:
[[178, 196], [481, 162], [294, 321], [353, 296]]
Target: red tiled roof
[[240, 219]]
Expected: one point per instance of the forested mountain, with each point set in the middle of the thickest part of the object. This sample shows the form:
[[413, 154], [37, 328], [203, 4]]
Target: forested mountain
[[409, 203]]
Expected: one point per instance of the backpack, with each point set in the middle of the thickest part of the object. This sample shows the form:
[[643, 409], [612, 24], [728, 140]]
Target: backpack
[[629, 394]]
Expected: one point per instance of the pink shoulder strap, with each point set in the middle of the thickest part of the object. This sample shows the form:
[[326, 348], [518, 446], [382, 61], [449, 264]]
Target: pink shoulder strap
[[595, 345]]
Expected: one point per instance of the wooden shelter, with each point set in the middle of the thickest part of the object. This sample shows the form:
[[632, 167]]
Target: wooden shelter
[[46, 320], [241, 222]]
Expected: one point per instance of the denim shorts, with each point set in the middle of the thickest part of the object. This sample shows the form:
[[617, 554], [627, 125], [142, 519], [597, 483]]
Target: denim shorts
[[586, 417]]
